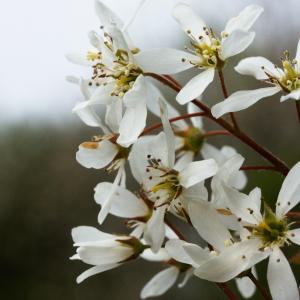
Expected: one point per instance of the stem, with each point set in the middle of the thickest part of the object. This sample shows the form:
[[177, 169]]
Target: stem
[[298, 109], [258, 168], [227, 291], [174, 228], [216, 132], [158, 125], [225, 93], [276, 162], [293, 214], [265, 295]]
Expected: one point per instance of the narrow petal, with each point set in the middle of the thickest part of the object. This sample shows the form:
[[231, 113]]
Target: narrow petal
[[96, 157], [293, 95], [176, 251], [155, 229], [79, 59], [289, 195], [245, 286], [165, 60], [197, 121], [294, 236], [161, 256], [160, 283], [245, 19], [189, 21], [210, 151], [242, 100], [88, 234], [280, 277], [297, 57], [113, 114], [124, 203], [197, 171], [184, 160], [257, 67], [215, 233], [106, 16], [95, 270], [196, 253], [237, 42], [230, 262], [196, 86]]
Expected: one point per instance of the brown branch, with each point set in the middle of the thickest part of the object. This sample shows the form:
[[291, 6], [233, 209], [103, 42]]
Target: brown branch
[[216, 132], [260, 288], [258, 168], [279, 164], [298, 109]]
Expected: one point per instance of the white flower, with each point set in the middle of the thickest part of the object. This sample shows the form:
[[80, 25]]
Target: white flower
[[102, 250], [208, 51], [285, 79], [266, 234]]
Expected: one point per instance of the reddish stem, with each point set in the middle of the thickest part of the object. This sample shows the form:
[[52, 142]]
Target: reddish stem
[[293, 214], [261, 289], [258, 168], [175, 229], [298, 109], [158, 125], [216, 132], [280, 165]]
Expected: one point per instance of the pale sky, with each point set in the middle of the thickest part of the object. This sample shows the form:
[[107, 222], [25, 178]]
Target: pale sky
[[36, 34]]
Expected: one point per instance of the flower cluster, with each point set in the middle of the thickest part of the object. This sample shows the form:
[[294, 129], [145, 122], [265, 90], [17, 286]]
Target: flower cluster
[[177, 171]]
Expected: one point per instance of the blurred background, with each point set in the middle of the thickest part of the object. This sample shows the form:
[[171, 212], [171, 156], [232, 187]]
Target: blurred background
[[44, 192]]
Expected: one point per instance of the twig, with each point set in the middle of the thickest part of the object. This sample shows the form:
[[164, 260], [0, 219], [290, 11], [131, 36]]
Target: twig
[[265, 295]]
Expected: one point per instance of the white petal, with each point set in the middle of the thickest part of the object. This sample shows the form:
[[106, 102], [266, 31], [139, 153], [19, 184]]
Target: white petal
[[160, 256], [97, 158], [214, 232], [231, 262], [289, 195], [197, 171], [245, 19], [160, 283], [102, 94], [177, 251], [242, 206], [113, 114], [124, 203], [155, 146], [294, 236], [241, 100], [293, 95], [137, 94], [170, 137], [95, 270], [187, 275], [184, 160], [197, 254], [188, 20], [155, 229], [104, 255], [165, 60], [237, 42], [196, 121], [79, 59], [106, 15], [132, 124], [210, 151], [196, 86], [119, 40], [245, 286], [280, 277], [256, 67], [197, 192], [297, 57], [88, 234]]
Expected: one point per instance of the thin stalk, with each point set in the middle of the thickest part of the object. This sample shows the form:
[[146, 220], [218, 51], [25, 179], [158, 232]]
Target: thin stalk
[[298, 109], [265, 295], [225, 93], [216, 132], [258, 168], [275, 161]]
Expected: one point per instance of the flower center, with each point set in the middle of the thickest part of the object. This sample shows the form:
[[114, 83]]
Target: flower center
[[193, 139], [272, 230], [164, 182], [207, 47]]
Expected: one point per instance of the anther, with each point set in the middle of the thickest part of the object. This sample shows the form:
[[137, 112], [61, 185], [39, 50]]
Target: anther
[[278, 260], [183, 60]]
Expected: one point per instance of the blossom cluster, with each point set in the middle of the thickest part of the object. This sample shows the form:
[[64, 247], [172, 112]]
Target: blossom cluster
[[178, 172]]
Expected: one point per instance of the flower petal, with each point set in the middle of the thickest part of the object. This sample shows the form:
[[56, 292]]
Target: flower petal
[[124, 203], [184, 160], [189, 21], [237, 42], [79, 59], [165, 60], [215, 233], [230, 262], [293, 95], [297, 57], [82, 234], [113, 114], [245, 19], [97, 158], [197, 171], [160, 283], [241, 100], [245, 286], [196, 121], [280, 277], [196, 86], [160, 256], [294, 236], [289, 195], [256, 67], [95, 270]]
